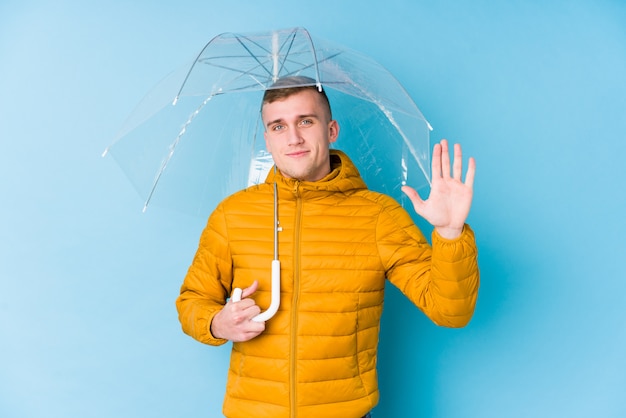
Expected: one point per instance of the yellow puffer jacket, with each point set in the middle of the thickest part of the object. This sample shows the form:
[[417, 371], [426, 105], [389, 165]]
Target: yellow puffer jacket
[[317, 356]]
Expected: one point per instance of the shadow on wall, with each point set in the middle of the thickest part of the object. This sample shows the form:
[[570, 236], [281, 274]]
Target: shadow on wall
[[413, 350]]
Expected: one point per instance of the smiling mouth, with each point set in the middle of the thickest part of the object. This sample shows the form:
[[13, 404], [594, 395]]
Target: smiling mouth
[[297, 153]]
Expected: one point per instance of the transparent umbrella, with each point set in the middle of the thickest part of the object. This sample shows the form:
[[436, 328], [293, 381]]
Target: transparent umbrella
[[197, 136]]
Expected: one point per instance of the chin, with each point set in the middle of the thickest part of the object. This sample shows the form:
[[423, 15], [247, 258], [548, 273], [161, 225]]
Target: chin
[[296, 175]]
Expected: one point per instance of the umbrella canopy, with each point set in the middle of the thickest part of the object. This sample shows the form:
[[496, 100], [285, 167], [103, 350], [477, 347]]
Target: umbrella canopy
[[198, 136]]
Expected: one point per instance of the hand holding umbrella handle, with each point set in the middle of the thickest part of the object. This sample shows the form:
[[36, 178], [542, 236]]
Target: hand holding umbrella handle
[[236, 296], [275, 298]]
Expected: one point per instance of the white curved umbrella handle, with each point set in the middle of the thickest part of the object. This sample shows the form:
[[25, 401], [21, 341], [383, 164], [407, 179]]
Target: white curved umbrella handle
[[275, 298]]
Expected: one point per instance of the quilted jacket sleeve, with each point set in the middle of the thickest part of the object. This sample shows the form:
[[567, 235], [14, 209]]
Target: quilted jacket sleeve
[[207, 283], [441, 280]]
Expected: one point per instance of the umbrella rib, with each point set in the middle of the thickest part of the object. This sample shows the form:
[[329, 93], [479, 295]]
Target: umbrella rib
[[288, 44], [210, 61], [290, 39], [172, 149], [233, 69], [317, 68], [238, 38], [250, 52], [286, 55], [191, 69], [250, 73], [389, 115]]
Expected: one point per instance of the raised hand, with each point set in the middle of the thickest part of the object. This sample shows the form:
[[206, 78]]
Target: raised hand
[[450, 199], [234, 322]]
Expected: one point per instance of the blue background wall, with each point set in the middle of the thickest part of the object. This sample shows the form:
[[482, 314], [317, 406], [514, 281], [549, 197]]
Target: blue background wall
[[535, 90]]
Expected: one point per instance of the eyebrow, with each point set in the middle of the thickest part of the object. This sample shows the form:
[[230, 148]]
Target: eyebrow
[[280, 120]]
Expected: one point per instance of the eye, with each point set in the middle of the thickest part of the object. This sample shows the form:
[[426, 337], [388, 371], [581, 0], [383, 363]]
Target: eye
[[277, 127], [306, 122]]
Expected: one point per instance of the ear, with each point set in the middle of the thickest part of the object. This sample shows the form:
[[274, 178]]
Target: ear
[[333, 131]]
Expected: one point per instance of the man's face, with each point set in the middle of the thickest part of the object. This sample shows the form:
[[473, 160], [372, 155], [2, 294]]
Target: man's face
[[298, 133]]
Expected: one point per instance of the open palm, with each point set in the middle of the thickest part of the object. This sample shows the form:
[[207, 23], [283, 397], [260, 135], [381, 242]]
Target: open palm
[[450, 199]]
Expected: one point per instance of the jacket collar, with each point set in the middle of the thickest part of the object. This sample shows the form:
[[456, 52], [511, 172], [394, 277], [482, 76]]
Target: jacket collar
[[343, 177]]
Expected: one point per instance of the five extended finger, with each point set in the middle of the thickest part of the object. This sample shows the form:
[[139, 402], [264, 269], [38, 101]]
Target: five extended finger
[[436, 162], [413, 196], [457, 168], [471, 171], [445, 159]]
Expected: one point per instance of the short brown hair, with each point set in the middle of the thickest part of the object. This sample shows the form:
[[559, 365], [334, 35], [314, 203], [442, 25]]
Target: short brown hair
[[286, 86]]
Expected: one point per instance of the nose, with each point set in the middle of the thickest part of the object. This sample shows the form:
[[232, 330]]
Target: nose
[[294, 137]]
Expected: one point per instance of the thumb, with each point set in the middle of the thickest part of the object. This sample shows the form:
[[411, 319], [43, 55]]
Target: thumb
[[412, 195], [250, 290]]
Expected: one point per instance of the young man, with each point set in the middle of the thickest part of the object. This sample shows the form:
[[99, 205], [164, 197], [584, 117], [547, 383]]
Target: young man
[[338, 244]]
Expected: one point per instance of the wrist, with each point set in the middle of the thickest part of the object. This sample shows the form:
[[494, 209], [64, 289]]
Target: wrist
[[449, 232], [211, 328]]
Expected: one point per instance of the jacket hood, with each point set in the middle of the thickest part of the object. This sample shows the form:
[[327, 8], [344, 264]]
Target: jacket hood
[[343, 177]]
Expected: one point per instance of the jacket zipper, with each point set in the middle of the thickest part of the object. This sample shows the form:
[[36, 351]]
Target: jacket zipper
[[294, 302]]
